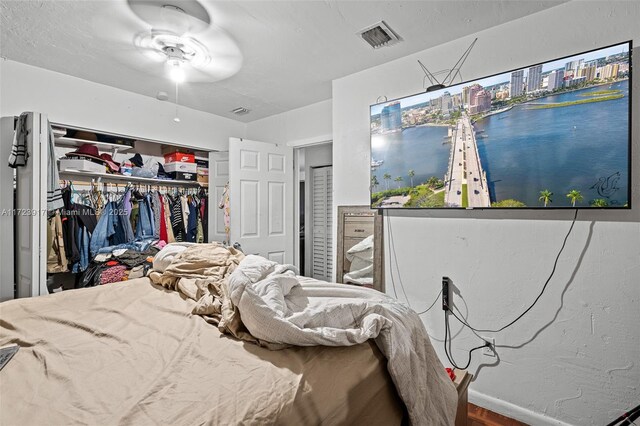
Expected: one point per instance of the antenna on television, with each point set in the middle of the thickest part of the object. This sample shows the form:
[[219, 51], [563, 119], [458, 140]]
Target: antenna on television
[[453, 72]]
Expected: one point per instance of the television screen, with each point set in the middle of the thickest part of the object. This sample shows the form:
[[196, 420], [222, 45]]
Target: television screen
[[555, 134]]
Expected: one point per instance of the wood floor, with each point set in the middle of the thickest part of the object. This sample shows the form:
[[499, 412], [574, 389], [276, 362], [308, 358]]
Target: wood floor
[[479, 416]]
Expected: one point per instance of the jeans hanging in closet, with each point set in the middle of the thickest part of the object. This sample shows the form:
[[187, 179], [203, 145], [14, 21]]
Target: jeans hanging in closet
[[82, 241], [124, 232], [125, 224], [145, 224], [155, 208], [103, 231]]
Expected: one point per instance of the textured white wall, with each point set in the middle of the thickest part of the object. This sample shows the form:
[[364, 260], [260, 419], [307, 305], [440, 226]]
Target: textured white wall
[[74, 101], [301, 126], [575, 358]]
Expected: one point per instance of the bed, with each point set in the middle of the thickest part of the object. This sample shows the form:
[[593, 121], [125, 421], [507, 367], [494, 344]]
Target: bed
[[135, 353]]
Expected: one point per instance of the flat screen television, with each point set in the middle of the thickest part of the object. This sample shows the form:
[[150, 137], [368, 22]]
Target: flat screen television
[[551, 135]]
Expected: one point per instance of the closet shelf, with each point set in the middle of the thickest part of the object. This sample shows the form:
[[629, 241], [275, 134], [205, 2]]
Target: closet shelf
[[105, 177], [67, 142]]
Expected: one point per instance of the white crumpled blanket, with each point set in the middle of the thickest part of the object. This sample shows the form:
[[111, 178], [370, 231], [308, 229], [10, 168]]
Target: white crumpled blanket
[[279, 307]]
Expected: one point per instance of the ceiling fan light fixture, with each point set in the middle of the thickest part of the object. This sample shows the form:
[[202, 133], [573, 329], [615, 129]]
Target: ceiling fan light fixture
[[176, 70], [175, 50]]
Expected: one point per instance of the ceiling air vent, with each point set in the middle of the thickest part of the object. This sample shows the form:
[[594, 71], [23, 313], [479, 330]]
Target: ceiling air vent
[[240, 111], [379, 35]]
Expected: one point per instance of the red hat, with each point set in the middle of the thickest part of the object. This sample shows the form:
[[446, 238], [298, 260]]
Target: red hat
[[87, 150], [115, 167]]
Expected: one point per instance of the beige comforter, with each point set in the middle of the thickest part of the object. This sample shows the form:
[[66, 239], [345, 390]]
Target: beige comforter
[[132, 353], [263, 302]]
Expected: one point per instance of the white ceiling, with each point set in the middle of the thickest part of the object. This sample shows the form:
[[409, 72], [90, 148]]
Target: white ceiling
[[292, 49]]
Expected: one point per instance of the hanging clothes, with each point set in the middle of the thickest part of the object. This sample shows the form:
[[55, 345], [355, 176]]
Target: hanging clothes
[[204, 214], [145, 223], [155, 203], [19, 153], [225, 205], [56, 254], [122, 223], [83, 244], [131, 222], [54, 195], [184, 206], [86, 216], [162, 220], [167, 219], [78, 223], [69, 227], [104, 230], [135, 211], [97, 200], [192, 226], [199, 232], [177, 218]]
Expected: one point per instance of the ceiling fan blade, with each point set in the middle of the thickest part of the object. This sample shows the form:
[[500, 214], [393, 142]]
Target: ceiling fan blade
[[225, 57], [118, 27], [147, 63], [180, 17], [219, 68]]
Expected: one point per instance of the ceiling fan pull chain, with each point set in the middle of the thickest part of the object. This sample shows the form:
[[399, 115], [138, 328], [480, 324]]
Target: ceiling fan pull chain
[[176, 118]]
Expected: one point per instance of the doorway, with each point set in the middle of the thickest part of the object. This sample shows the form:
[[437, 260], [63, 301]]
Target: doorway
[[314, 210]]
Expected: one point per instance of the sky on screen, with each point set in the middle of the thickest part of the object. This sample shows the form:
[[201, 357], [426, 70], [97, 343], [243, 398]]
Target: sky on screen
[[502, 78]]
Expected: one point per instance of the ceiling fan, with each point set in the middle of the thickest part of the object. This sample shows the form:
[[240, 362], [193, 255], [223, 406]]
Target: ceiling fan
[[171, 38]]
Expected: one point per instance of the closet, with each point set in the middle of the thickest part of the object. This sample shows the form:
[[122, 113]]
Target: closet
[[95, 171]]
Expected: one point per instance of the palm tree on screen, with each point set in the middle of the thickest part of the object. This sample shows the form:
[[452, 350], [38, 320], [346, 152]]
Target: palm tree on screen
[[374, 181], [574, 195], [412, 173], [387, 178], [399, 179], [599, 202], [545, 196]]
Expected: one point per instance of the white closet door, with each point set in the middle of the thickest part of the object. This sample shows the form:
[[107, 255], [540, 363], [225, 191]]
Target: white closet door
[[261, 193], [6, 206], [218, 178], [321, 205], [31, 212]]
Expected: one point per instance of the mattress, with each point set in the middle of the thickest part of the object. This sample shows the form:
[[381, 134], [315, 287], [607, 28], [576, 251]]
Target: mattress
[[132, 353]]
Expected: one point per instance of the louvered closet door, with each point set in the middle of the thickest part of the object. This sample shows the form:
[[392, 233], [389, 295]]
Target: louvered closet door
[[322, 203]]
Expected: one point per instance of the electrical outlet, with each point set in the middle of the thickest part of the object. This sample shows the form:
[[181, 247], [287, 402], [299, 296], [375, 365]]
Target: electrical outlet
[[489, 350]]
